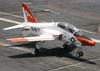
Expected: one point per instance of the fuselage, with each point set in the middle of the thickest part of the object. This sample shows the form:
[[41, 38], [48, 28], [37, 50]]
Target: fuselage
[[55, 28]]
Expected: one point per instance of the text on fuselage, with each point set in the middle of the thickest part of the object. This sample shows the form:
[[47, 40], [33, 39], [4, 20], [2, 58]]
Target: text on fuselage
[[35, 29]]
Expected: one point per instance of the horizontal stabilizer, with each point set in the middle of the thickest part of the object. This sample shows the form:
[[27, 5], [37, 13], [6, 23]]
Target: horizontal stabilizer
[[14, 27]]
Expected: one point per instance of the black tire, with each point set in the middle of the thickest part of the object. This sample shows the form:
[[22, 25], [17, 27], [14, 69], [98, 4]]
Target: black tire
[[36, 51], [65, 46], [81, 54], [78, 54]]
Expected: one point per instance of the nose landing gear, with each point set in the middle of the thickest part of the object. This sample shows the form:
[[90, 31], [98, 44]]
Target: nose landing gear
[[79, 53]]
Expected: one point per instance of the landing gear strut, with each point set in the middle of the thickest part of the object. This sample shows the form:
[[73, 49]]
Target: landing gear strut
[[37, 51], [65, 46], [79, 53]]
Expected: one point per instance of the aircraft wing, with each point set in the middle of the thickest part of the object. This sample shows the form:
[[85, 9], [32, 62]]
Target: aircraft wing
[[14, 27], [37, 38]]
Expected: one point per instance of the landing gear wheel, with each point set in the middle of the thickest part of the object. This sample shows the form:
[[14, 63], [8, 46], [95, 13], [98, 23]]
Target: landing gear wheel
[[36, 51], [65, 46], [79, 54]]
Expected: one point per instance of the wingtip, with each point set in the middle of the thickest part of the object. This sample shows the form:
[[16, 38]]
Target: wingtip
[[4, 29]]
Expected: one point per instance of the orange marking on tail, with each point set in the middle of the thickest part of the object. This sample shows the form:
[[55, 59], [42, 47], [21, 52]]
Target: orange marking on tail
[[29, 16]]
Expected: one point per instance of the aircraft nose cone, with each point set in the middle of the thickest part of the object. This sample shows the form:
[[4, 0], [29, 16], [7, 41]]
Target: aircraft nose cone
[[92, 43]]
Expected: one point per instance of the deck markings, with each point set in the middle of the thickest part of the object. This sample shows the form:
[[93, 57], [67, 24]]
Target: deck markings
[[18, 48], [75, 64], [96, 40], [11, 21], [69, 2], [52, 5], [11, 15], [88, 31], [28, 3], [1, 43], [56, 69]]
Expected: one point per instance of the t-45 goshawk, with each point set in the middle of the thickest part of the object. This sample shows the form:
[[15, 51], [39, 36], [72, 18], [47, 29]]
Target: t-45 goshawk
[[50, 31]]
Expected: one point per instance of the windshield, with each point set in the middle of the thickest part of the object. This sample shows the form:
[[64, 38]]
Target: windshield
[[78, 33]]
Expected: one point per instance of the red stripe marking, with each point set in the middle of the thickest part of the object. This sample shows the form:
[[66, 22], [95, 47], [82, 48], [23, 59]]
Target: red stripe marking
[[26, 40], [18, 40]]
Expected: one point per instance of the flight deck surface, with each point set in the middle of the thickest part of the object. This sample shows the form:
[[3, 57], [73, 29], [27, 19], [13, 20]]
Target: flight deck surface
[[84, 14]]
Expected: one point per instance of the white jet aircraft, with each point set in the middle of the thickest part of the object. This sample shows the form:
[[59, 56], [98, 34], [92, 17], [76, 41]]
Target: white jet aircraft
[[50, 31]]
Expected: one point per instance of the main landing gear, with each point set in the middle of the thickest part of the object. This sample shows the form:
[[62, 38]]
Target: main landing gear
[[79, 53], [37, 50], [65, 46]]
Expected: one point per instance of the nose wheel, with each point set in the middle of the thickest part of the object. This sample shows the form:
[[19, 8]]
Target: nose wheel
[[79, 54]]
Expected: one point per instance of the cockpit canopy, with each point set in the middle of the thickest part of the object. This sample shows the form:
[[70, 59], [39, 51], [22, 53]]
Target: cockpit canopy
[[69, 27], [72, 29]]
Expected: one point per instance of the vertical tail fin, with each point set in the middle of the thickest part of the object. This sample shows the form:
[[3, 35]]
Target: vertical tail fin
[[27, 14]]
